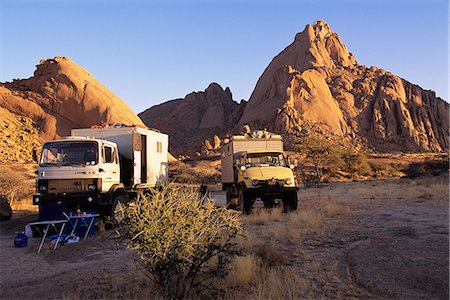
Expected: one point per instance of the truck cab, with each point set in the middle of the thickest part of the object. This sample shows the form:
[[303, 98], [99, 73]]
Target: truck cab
[[76, 171], [268, 176]]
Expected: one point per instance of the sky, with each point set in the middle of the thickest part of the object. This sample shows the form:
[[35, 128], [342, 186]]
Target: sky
[[149, 52]]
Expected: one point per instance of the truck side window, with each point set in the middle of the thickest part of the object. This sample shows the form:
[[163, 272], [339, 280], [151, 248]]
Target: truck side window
[[108, 155], [158, 147]]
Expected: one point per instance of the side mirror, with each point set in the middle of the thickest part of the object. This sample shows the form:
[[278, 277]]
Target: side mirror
[[243, 168]]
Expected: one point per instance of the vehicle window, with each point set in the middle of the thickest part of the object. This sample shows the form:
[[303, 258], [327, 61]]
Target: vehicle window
[[69, 153], [108, 155], [158, 147], [265, 159]]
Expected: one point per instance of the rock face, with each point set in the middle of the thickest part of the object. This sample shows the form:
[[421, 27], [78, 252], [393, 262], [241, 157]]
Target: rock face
[[316, 80], [62, 95], [19, 139], [198, 116]]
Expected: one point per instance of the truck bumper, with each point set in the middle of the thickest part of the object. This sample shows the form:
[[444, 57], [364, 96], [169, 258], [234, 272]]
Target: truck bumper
[[270, 191], [52, 206], [82, 199]]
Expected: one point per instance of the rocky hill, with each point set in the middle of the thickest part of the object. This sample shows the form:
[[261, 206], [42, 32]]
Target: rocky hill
[[316, 79], [198, 116], [316, 84], [62, 95]]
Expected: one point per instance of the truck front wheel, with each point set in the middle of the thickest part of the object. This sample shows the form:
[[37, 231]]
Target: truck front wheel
[[118, 208], [290, 201], [6, 211]]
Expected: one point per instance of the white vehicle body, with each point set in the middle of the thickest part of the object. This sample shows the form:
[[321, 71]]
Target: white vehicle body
[[96, 167]]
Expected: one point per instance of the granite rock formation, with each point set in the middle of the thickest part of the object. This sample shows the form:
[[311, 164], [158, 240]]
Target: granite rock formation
[[198, 116], [317, 80], [62, 95]]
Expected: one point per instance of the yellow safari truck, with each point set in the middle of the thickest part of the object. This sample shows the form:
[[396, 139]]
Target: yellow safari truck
[[254, 166]]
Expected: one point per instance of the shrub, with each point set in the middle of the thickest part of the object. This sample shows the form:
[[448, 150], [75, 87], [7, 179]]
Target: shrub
[[13, 184], [181, 172], [184, 245], [330, 159]]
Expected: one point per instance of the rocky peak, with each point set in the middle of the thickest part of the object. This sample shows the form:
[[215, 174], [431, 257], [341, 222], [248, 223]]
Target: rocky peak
[[62, 95], [316, 80]]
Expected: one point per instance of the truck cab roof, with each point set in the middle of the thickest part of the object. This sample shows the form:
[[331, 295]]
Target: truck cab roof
[[261, 151]]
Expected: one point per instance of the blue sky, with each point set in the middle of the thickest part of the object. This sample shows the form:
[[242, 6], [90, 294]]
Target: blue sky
[[148, 52]]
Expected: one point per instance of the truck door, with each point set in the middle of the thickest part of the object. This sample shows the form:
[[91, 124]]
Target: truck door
[[143, 159], [110, 167], [136, 158]]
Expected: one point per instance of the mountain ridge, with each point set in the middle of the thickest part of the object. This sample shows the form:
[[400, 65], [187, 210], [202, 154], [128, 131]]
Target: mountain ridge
[[316, 81]]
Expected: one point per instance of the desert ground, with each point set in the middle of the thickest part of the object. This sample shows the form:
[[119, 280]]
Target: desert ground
[[368, 239]]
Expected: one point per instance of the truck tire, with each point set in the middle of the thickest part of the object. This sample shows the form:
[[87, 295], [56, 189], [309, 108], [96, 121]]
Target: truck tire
[[230, 203], [290, 201], [118, 208], [245, 203], [5, 210], [294, 201]]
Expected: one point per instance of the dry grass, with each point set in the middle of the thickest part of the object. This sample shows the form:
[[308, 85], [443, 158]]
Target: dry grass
[[264, 216], [332, 209], [116, 286], [243, 270]]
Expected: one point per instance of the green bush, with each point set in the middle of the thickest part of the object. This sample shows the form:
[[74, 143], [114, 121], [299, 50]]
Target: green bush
[[184, 245], [330, 159]]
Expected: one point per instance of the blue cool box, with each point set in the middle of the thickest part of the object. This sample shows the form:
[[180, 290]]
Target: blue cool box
[[21, 240]]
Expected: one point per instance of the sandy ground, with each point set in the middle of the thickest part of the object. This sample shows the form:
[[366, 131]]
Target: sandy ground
[[378, 239]]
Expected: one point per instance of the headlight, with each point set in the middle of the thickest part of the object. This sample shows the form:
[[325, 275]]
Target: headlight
[[255, 182], [92, 187], [36, 199], [43, 188], [289, 181]]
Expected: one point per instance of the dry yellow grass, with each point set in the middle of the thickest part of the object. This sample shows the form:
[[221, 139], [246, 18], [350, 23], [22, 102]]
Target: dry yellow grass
[[243, 270], [264, 216]]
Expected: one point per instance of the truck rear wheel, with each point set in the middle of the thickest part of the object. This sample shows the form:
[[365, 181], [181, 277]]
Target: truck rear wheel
[[245, 203], [231, 201]]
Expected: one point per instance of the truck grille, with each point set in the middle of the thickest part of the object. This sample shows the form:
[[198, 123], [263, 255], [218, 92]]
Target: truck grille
[[69, 185]]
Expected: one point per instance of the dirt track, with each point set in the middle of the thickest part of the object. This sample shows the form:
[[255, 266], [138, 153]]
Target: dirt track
[[382, 239]]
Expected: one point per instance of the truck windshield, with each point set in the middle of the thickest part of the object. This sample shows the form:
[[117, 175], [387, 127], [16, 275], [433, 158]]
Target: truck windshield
[[69, 153], [265, 159]]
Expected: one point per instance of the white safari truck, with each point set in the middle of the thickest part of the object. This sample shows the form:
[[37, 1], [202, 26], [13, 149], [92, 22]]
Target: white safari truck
[[100, 169], [254, 166]]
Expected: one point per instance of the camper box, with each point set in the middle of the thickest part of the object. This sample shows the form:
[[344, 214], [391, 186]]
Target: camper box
[[239, 144], [143, 153]]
